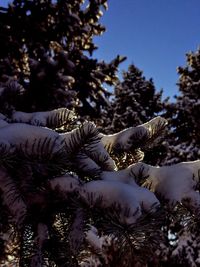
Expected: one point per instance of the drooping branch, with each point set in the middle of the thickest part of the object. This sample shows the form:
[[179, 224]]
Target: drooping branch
[[135, 137], [51, 119], [176, 183]]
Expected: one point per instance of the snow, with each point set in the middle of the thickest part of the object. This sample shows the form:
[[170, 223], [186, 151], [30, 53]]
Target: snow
[[24, 135], [2, 117], [175, 183], [93, 239], [103, 246], [94, 150], [3, 123], [41, 118], [65, 184], [124, 139], [3, 120], [87, 165], [136, 199], [112, 193], [120, 176], [29, 137]]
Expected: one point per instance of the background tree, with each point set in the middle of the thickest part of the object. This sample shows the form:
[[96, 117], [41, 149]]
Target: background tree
[[46, 48], [184, 113], [184, 143], [135, 101], [45, 63]]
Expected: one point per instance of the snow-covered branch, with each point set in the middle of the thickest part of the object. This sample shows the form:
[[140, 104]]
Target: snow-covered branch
[[175, 183], [53, 119], [134, 137]]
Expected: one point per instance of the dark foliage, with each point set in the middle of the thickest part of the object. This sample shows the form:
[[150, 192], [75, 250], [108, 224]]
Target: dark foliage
[[184, 112], [46, 47], [135, 102], [46, 62]]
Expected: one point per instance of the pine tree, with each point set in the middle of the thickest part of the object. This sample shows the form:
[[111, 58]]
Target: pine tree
[[184, 112], [131, 96], [183, 142], [45, 49], [63, 201], [58, 197], [135, 101]]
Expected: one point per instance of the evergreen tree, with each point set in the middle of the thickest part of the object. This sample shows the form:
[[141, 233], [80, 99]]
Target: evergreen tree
[[184, 113], [45, 49], [131, 96], [183, 142], [183, 139], [59, 200], [63, 202], [135, 101]]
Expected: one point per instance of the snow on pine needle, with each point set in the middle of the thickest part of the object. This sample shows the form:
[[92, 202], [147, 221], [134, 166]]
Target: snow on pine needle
[[52, 119], [65, 180], [135, 137]]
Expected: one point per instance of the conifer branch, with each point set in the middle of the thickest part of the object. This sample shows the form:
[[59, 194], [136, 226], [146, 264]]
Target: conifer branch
[[135, 137]]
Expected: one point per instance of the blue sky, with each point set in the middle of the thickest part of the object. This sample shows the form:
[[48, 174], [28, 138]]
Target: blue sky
[[155, 35]]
